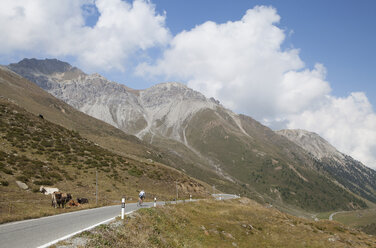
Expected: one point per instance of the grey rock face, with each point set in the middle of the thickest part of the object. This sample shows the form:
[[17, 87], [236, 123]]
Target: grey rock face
[[43, 71], [136, 112], [312, 143], [47, 66]]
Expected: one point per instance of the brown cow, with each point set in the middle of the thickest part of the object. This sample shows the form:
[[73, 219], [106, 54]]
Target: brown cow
[[60, 199], [73, 203]]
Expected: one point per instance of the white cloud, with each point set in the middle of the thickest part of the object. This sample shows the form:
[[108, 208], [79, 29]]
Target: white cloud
[[57, 28], [347, 123], [242, 64]]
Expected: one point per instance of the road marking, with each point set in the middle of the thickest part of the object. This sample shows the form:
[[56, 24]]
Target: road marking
[[85, 229]]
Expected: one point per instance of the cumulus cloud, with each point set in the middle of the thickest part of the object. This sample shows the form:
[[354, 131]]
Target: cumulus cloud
[[57, 28], [242, 64], [348, 123]]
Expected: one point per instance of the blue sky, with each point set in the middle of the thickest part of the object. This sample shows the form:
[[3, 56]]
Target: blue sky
[[288, 64], [339, 34]]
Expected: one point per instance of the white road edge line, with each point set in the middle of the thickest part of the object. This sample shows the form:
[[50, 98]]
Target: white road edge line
[[85, 229]]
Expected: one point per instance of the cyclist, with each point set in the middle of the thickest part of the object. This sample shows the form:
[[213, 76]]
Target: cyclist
[[141, 196]]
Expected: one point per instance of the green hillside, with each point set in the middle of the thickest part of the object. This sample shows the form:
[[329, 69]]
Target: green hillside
[[267, 163], [37, 152]]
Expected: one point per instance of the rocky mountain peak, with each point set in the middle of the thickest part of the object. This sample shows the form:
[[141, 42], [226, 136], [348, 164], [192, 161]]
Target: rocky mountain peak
[[312, 143], [174, 88], [170, 85], [46, 66]]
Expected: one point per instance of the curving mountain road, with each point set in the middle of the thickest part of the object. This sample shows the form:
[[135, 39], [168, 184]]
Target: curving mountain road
[[46, 231], [332, 215]]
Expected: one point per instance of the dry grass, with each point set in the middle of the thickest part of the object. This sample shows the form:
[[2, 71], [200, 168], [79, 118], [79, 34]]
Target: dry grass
[[36, 151], [236, 223], [358, 217]]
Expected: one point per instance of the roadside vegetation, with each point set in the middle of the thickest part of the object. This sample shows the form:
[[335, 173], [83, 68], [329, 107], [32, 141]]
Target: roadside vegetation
[[37, 152], [234, 223]]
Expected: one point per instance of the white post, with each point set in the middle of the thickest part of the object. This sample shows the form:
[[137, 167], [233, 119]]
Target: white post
[[96, 186], [122, 208], [155, 201], [190, 197], [220, 197]]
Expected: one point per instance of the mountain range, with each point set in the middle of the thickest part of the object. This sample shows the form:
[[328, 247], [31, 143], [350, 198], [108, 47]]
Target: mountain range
[[202, 138]]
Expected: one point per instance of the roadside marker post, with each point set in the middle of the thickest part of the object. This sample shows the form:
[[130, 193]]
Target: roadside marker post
[[190, 198], [155, 201], [122, 208]]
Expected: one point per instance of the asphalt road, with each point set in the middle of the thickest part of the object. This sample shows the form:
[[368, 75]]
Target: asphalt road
[[224, 196], [46, 231], [43, 231], [332, 215]]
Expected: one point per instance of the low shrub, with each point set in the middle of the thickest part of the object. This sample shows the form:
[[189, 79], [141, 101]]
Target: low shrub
[[44, 182], [7, 171], [4, 183], [22, 178], [135, 172]]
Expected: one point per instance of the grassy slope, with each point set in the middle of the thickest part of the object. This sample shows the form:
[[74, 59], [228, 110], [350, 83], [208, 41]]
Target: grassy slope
[[37, 101], [364, 219], [235, 223], [266, 162], [38, 152], [195, 165]]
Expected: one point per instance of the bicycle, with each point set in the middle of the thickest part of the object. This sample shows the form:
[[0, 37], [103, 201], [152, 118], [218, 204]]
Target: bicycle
[[141, 198], [140, 201]]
